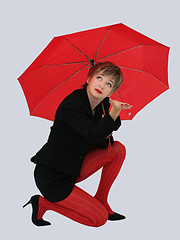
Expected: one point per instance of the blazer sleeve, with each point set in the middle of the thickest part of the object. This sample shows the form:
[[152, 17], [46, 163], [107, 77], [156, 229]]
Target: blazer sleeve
[[105, 143], [75, 116]]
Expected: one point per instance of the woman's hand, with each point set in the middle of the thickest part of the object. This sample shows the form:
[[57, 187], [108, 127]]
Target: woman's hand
[[117, 107]]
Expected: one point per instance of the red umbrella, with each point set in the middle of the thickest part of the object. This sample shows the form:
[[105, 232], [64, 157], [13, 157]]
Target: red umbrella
[[63, 66]]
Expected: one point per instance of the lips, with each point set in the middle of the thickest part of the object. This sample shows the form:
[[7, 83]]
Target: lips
[[98, 91]]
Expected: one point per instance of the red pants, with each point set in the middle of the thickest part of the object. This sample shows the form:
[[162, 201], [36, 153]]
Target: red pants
[[80, 206]]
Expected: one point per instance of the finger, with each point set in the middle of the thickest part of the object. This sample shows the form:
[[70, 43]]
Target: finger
[[127, 107]]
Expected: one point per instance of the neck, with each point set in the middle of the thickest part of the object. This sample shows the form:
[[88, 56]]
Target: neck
[[93, 101]]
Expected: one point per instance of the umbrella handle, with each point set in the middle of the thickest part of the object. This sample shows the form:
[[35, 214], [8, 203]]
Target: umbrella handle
[[109, 146]]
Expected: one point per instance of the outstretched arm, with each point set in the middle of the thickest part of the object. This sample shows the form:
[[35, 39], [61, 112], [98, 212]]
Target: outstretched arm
[[117, 107]]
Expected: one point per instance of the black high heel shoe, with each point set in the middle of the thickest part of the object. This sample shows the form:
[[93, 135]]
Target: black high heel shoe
[[35, 202], [116, 216]]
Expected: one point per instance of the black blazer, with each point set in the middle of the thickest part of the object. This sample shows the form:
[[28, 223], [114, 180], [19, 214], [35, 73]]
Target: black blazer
[[76, 131]]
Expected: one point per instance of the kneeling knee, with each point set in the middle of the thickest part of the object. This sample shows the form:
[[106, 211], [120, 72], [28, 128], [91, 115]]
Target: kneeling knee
[[101, 222], [119, 146], [102, 217]]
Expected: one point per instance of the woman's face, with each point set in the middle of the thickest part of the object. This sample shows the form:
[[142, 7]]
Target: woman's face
[[100, 86]]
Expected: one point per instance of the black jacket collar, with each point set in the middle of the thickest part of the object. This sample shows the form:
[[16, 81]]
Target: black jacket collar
[[98, 108]]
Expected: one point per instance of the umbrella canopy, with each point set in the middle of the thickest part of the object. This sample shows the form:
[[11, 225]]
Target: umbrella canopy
[[63, 65]]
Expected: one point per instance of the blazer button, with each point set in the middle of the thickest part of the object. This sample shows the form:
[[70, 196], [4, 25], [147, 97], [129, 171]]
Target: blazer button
[[81, 157]]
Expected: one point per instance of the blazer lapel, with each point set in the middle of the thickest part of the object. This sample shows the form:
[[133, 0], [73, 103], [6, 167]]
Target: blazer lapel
[[98, 110], [86, 102]]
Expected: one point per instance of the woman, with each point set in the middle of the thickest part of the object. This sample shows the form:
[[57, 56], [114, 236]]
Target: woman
[[78, 146]]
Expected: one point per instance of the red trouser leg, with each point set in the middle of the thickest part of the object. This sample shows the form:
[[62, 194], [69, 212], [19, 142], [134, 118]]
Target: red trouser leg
[[111, 163], [78, 206], [81, 206]]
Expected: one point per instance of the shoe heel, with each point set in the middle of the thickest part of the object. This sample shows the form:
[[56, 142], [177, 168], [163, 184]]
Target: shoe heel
[[27, 203]]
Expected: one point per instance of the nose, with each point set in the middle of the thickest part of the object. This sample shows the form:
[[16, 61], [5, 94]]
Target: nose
[[101, 84]]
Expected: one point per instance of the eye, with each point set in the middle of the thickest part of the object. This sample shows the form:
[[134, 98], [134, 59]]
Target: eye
[[99, 77], [109, 84]]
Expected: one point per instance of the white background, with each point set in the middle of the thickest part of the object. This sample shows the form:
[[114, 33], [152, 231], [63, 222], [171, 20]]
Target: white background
[[147, 188]]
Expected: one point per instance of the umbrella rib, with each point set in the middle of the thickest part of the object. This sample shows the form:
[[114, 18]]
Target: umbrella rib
[[128, 50], [61, 64], [102, 42], [124, 109], [122, 51], [58, 86], [78, 49], [142, 71]]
